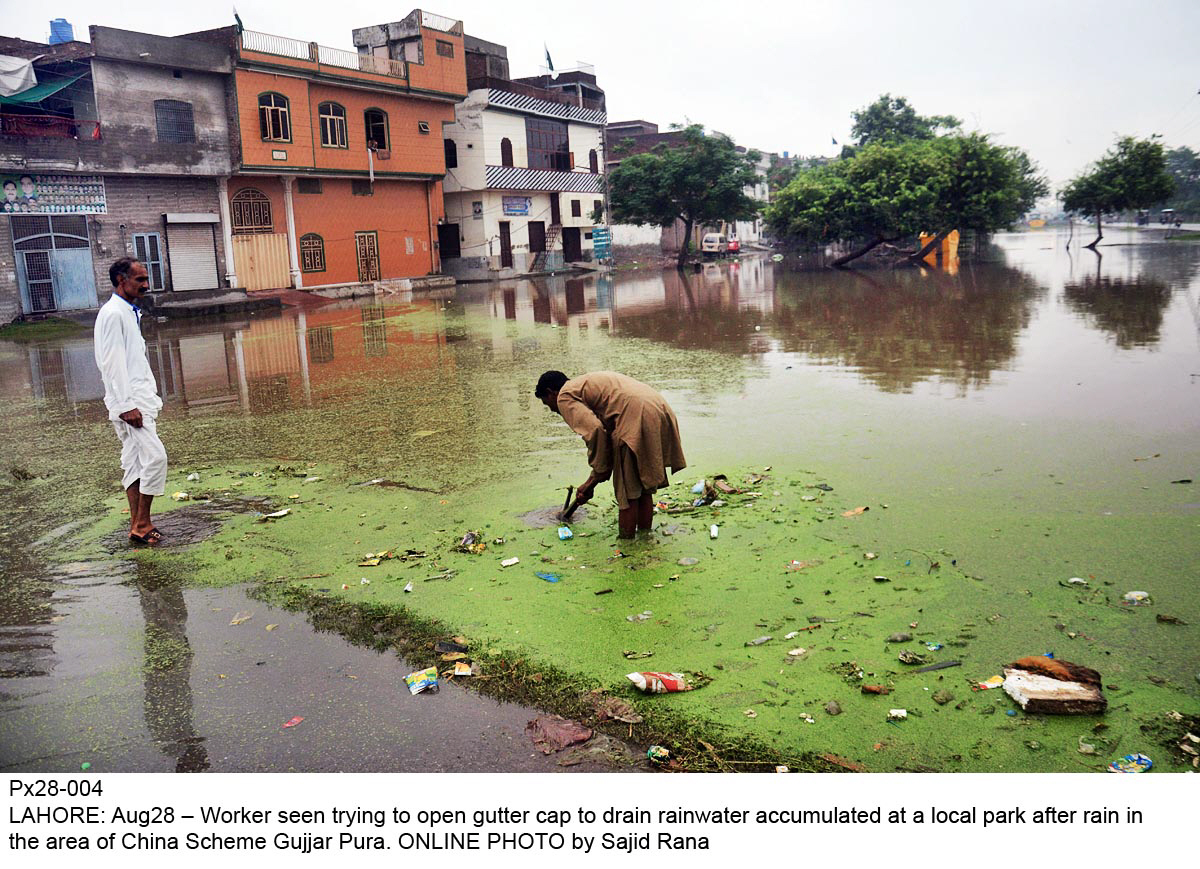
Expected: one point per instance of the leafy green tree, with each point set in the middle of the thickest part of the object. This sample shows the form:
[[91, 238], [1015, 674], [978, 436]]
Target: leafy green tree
[[1131, 175], [1184, 166], [892, 119], [702, 180]]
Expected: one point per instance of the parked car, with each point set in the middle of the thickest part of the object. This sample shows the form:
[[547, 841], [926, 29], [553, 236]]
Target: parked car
[[714, 244], [735, 246]]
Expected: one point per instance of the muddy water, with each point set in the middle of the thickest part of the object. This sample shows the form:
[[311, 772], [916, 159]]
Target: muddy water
[[1029, 416]]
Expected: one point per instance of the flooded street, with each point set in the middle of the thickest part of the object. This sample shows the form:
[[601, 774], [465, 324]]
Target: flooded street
[[1010, 425]]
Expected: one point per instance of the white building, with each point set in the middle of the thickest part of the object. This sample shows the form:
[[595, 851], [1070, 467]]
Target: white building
[[524, 183]]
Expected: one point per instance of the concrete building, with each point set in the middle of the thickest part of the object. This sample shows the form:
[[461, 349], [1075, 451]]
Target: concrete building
[[338, 155], [524, 180], [117, 150]]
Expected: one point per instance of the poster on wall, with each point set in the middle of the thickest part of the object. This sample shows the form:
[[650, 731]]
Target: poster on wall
[[517, 205], [29, 193]]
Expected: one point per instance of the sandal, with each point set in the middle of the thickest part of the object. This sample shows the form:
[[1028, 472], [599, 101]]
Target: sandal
[[148, 539], [156, 534]]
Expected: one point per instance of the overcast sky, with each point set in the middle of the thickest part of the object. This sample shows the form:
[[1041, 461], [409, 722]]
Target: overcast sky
[[1059, 78]]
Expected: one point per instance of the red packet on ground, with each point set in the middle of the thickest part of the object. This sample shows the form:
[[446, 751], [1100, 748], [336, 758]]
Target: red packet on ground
[[659, 683], [293, 722]]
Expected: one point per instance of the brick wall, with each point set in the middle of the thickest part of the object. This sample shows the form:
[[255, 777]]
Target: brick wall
[[140, 203]]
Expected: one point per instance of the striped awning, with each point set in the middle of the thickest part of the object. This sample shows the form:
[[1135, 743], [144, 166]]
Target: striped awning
[[514, 178], [534, 106]]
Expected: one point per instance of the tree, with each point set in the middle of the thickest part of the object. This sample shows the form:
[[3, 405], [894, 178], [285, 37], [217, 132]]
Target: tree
[[1184, 166], [892, 119], [1131, 175], [701, 180], [894, 190]]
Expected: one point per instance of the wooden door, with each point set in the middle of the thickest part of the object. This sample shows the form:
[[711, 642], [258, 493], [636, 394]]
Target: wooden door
[[537, 236], [449, 245], [572, 244], [366, 245], [555, 210], [506, 259]]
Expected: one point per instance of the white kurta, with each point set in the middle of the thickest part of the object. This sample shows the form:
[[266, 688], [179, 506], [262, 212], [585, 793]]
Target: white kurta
[[123, 363]]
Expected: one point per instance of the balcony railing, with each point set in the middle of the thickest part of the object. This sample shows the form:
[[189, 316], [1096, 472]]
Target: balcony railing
[[441, 22], [282, 46], [46, 126]]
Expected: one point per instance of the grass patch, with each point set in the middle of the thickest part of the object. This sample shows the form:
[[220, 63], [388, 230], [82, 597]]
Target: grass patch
[[1184, 236], [41, 330]]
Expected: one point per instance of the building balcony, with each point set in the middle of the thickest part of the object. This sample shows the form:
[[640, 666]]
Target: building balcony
[[321, 57], [542, 180]]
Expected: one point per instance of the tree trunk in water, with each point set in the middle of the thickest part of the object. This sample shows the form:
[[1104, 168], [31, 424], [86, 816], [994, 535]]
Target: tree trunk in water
[[841, 261], [933, 244], [683, 248], [1099, 234]]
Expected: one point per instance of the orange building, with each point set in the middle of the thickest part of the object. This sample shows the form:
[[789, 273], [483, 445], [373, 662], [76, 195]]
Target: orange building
[[338, 156]]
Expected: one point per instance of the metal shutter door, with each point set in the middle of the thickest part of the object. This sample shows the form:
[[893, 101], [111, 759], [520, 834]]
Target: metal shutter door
[[193, 255]]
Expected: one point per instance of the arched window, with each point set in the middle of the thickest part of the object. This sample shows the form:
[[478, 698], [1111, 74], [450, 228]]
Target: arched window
[[312, 253], [175, 121], [251, 212], [333, 125], [506, 152], [376, 122], [451, 153], [593, 162], [274, 121]]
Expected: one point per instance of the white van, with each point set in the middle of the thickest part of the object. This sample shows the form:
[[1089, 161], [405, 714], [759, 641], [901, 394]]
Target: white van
[[714, 244]]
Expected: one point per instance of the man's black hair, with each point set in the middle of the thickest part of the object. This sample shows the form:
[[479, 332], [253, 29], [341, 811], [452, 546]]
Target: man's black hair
[[122, 268], [551, 381]]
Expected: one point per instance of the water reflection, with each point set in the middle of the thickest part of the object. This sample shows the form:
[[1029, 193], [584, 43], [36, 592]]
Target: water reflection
[[893, 328], [167, 669]]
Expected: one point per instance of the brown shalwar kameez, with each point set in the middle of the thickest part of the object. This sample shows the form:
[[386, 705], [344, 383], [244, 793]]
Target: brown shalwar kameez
[[629, 429]]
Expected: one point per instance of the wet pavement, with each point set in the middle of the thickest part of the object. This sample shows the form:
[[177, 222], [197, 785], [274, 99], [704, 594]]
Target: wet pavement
[[127, 671]]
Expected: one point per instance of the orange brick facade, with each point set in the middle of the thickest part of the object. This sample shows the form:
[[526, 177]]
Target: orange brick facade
[[405, 201]]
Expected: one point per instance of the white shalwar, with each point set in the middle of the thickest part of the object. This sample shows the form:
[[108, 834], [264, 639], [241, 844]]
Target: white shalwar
[[129, 384]]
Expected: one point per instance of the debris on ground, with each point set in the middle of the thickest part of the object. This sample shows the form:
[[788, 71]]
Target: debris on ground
[[988, 684], [857, 511], [565, 533], [1131, 763], [509, 562], [241, 617], [551, 733], [612, 708], [1169, 620], [1136, 598], [549, 577], [941, 698], [897, 714], [876, 689], [640, 617], [471, 542], [292, 722], [633, 654], [940, 665], [757, 641], [180, 496], [667, 683], [278, 514], [449, 647], [422, 680], [657, 754], [1047, 685], [910, 657]]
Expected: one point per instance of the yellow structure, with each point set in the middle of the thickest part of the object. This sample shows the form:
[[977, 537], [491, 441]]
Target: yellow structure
[[947, 253]]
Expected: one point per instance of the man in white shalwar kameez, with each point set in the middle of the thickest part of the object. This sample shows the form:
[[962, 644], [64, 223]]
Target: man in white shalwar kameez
[[131, 395]]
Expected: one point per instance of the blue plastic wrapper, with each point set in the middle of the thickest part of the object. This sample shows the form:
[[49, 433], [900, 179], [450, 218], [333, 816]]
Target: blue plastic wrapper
[[422, 679], [1131, 763], [549, 577], [565, 533]]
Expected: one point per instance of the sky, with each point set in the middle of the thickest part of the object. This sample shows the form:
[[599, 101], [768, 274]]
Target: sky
[[1059, 78]]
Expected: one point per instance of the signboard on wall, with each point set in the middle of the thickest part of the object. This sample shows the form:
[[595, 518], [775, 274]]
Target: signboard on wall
[[27, 193], [516, 205]]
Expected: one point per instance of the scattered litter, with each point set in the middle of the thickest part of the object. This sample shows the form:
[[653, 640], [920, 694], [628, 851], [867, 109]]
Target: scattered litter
[[180, 496], [758, 641], [750, 713], [312, 479], [549, 577], [640, 617], [271, 627], [471, 542], [988, 684], [1077, 580], [782, 769], [1045, 685], [551, 733], [807, 718], [657, 754], [666, 683], [713, 531], [292, 722], [1169, 620], [241, 617], [857, 511], [698, 489], [364, 581], [345, 587], [1086, 747], [796, 653], [881, 579], [408, 587], [1184, 481], [462, 668], [791, 635], [278, 514], [509, 562], [422, 680], [909, 657], [802, 565], [449, 646], [193, 478], [603, 591], [85, 766], [870, 556], [565, 533], [933, 647], [1136, 598], [1131, 763], [808, 497], [897, 714], [876, 689], [825, 487], [633, 655]]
